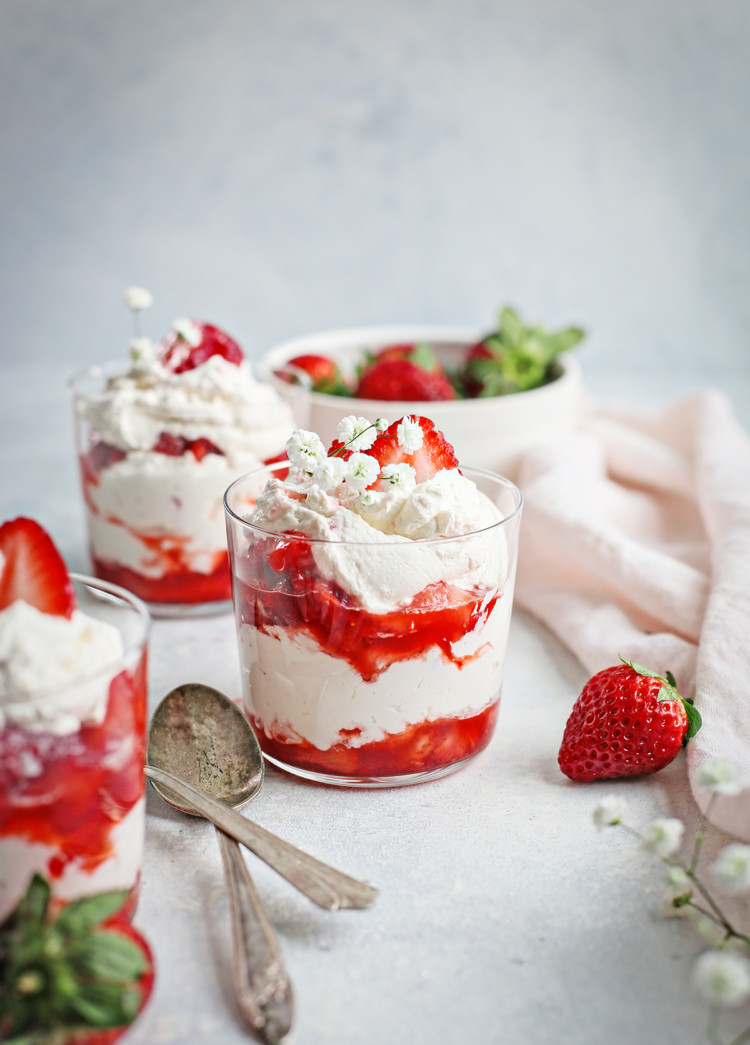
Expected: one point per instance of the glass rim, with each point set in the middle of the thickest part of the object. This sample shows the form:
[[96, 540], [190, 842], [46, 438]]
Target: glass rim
[[115, 592], [394, 539]]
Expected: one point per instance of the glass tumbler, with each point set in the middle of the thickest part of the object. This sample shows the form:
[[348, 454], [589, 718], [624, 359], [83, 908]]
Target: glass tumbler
[[72, 805], [343, 695]]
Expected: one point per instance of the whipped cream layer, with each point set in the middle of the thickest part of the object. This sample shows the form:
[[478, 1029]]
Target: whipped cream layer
[[42, 659], [386, 549], [218, 400], [298, 692], [149, 495], [20, 860]]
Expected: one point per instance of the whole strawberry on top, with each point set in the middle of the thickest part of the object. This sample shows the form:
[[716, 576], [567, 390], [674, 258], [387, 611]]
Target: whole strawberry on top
[[324, 373], [627, 721]]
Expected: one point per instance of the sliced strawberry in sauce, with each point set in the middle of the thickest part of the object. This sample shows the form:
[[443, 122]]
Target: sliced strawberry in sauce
[[171, 445], [33, 570], [200, 447], [102, 455], [434, 455], [178, 355]]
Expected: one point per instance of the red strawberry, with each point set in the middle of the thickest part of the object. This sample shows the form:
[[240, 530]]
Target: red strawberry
[[435, 453], [31, 569], [323, 372], [400, 380], [627, 721], [171, 445], [202, 446], [178, 355]]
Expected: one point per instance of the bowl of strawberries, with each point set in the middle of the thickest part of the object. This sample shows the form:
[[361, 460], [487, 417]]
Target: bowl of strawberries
[[495, 395]]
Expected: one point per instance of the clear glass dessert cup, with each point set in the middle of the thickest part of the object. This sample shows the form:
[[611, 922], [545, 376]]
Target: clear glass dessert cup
[[155, 517], [342, 695], [72, 794]]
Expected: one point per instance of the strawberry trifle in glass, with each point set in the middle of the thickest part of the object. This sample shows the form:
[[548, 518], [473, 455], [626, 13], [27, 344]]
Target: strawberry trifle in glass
[[159, 441], [372, 586], [72, 726]]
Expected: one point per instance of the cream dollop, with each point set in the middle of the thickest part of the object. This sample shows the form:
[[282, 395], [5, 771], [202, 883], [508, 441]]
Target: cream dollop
[[54, 673], [217, 400], [385, 550]]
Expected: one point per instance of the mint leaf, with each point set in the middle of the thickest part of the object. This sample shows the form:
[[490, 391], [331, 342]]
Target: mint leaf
[[83, 915], [107, 956], [105, 1004]]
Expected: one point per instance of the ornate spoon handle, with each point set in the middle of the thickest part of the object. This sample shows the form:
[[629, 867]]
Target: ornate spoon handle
[[261, 980], [321, 883]]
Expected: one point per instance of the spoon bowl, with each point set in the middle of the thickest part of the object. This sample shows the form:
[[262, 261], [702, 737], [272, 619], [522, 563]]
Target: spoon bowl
[[203, 737]]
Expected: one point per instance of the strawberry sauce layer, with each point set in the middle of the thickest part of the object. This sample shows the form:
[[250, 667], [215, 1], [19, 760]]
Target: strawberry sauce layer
[[277, 585], [423, 748], [179, 584], [70, 792]]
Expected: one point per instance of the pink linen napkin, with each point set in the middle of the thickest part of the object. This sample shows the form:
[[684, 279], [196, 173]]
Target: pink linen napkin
[[635, 540]]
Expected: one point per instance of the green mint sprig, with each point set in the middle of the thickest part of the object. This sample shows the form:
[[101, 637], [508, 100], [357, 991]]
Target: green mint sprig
[[64, 973], [520, 356]]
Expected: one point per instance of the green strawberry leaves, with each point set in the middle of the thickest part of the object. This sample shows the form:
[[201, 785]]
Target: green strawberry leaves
[[668, 691], [520, 356], [61, 973]]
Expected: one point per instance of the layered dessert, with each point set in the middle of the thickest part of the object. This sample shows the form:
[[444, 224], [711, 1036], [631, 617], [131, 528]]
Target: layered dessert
[[159, 441], [72, 729], [372, 588]]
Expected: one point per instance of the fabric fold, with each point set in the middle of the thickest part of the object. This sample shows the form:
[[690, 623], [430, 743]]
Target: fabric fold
[[636, 542]]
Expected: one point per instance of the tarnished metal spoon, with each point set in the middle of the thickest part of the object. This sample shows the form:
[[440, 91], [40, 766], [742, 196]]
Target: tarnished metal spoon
[[204, 758], [198, 733]]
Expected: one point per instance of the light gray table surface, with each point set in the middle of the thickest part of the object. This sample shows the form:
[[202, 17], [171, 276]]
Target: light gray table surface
[[285, 168]]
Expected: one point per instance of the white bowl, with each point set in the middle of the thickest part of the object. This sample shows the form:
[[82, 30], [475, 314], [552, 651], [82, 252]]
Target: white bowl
[[491, 432]]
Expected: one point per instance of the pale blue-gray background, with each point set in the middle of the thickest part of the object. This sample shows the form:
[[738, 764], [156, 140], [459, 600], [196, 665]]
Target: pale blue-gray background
[[280, 168]]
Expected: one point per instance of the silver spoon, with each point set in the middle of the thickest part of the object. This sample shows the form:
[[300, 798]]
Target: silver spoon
[[198, 732], [191, 735]]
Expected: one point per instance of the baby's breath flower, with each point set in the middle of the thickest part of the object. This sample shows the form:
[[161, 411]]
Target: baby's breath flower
[[362, 471], [330, 473], [401, 475], [381, 424], [371, 498], [609, 812], [187, 330], [410, 435], [677, 892], [663, 836], [357, 433], [731, 868], [138, 298], [142, 351], [721, 777], [723, 978], [305, 450]]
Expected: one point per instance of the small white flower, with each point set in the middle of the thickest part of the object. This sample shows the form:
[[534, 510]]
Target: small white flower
[[609, 812], [188, 331], [138, 298], [731, 868], [357, 433], [721, 777], [142, 351], [410, 435], [371, 498], [723, 978], [363, 470], [401, 475], [677, 886], [305, 450], [330, 473], [381, 424], [663, 836]]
